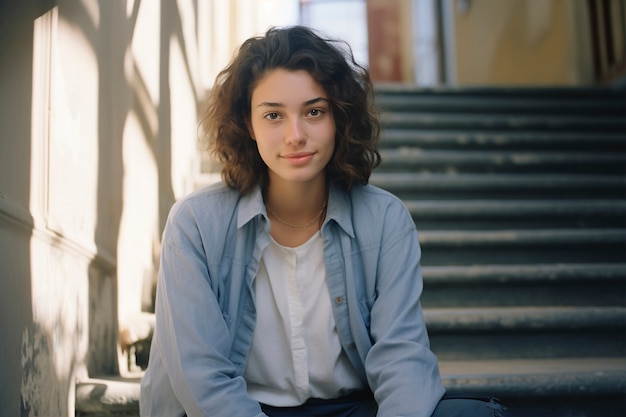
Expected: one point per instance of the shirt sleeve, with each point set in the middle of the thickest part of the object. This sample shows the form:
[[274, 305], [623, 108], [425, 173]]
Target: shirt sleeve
[[402, 370], [192, 335]]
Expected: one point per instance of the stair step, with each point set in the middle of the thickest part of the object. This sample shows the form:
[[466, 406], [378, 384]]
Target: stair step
[[522, 237], [532, 378], [470, 286], [404, 120], [506, 93], [602, 105], [544, 273], [523, 318], [526, 332], [108, 396], [506, 379], [519, 196], [468, 247], [408, 186], [577, 387], [490, 214], [501, 140], [417, 160]]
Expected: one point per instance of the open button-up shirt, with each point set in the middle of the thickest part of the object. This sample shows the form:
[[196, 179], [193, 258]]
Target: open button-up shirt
[[205, 305]]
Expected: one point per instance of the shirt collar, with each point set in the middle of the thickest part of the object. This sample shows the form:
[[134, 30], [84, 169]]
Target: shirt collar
[[339, 208], [251, 206]]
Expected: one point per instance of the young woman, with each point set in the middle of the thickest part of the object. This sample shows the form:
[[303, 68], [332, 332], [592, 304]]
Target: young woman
[[293, 287]]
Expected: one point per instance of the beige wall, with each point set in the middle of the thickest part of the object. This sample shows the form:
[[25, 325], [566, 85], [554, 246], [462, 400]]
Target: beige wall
[[98, 138], [521, 42]]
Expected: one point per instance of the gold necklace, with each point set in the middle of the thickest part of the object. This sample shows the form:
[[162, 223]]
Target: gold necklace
[[295, 226]]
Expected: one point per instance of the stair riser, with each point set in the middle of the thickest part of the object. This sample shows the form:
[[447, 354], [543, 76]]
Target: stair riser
[[426, 166], [505, 107], [517, 214], [501, 141], [424, 223], [566, 293], [565, 94], [528, 345], [514, 192], [599, 105], [529, 254], [447, 122]]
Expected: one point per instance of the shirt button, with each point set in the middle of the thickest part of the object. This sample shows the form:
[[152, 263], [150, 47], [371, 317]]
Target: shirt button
[[339, 300], [352, 346]]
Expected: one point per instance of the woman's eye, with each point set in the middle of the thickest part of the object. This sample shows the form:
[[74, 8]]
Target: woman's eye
[[271, 116], [315, 112]]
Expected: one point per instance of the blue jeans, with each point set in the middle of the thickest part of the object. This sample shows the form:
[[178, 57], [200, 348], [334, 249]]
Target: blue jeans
[[363, 405]]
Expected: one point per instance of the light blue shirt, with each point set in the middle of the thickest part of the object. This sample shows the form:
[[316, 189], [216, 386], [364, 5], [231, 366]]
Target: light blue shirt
[[205, 308]]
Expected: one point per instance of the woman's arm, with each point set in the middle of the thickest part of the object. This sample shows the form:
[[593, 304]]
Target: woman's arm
[[401, 369], [192, 335]]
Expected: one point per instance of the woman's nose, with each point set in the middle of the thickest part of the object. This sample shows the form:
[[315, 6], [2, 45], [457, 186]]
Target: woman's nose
[[295, 132]]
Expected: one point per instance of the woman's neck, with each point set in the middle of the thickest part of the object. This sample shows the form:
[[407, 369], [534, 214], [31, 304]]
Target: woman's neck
[[296, 211], [298, 202]]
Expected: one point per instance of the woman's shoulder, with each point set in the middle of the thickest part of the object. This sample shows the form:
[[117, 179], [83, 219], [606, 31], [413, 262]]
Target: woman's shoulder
[[216, 194], [373, 205], [374, 197], [212, 201], [207, 212]]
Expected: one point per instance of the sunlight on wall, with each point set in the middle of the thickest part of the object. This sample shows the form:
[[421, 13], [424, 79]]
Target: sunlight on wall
[[185, 157], [142, 127], [74, 136], [64, 162], [139, 223]]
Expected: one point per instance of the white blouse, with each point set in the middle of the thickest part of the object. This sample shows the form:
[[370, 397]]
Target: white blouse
[[296, 353]]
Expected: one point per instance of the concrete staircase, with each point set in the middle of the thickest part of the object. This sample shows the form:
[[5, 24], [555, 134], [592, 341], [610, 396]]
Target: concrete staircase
[[520, 199]]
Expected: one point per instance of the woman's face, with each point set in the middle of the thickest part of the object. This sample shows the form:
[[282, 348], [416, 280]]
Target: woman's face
[[290, 121]]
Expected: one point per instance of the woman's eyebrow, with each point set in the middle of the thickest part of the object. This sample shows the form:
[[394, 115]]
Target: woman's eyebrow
[[315, 100], [306, 103], [270, 104]]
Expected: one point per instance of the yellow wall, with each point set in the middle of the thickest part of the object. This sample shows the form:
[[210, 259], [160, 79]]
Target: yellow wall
[[521, 42]]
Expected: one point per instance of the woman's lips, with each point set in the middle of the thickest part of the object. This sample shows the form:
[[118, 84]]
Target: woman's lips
[[299, 158]]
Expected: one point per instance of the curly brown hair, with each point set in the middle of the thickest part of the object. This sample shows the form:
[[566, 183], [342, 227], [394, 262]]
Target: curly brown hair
[[332, 65]]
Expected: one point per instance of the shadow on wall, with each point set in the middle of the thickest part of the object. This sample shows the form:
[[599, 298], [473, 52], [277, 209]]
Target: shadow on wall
[[120, 93], [30, 349], [16, 223], [45, 357]]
